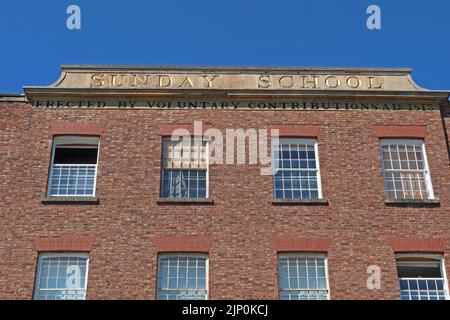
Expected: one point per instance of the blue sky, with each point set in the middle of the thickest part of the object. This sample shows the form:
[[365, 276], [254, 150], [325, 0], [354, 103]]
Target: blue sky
[[35, 40]]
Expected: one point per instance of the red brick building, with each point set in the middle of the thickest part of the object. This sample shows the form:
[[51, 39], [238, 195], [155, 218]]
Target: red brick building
[[99, 203]]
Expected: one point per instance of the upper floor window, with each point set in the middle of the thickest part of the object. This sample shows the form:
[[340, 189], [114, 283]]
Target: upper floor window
[[73, 170], [61, 276], [184, 168], [296, 169], [422, 277], [405, 168], [182, 277], [302, 277]]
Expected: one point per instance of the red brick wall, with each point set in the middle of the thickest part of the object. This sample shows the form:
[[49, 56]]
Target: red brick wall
[[242, 225], [445, 112]]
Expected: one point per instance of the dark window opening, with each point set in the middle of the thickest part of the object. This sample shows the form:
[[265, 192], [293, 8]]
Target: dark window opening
[[419, 271], [75, 156]]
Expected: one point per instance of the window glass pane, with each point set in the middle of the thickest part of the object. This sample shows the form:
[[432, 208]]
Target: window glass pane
[[404, 171], [421, 278], [184, 184], [186, 278], [296, 176], [184, 169], [73, 171], [296, 184], [302, 278], [72, 180], [61, 278], [186, 153]]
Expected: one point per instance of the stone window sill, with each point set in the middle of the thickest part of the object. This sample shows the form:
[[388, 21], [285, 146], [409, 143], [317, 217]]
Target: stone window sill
[[185, 201], [412, 201], [317, 202], [70, 200]]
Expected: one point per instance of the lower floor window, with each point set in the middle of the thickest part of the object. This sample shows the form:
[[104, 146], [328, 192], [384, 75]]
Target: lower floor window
[[302, 277], [182, 277], [61, 277], [422, 277]]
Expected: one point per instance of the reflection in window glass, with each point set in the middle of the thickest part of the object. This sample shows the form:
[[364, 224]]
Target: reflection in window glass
[[61, 277]]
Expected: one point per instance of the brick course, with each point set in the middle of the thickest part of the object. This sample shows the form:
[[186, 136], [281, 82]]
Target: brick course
[[292, 244], [128, 224], [418, 245], [305, 131], [400, 131], [64, 244], [80, 129], [184, 244]]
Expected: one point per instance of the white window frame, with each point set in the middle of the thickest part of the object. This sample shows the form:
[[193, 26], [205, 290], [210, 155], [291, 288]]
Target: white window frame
[[417, 143], [288, 140], [439, 258], [71, 142], [305, 255], [193, 138], [42, 255], [183, 254]]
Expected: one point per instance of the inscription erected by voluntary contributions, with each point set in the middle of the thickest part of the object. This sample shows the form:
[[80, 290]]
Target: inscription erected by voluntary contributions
[[229, 105]]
